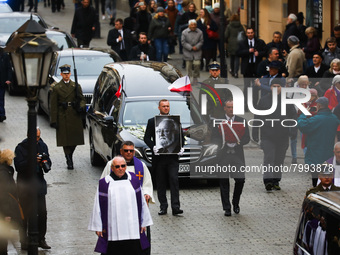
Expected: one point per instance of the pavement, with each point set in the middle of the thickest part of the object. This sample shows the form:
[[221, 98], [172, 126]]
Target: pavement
[[266, 224]]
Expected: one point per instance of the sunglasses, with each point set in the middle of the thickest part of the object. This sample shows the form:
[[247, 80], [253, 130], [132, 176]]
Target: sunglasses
[[118, 166], [129, 150]]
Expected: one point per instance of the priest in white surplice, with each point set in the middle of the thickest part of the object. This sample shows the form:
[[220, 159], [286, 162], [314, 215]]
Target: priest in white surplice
[[120, 213]]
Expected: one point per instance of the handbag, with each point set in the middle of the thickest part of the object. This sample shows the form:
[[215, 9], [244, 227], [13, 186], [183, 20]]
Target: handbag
[[212, 34]]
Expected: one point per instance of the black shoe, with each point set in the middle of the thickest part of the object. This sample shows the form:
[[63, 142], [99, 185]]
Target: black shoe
[[294, 161], [236, 75], [269, 186], [227, 213], [176, 211], [162, 212], [44, 245], [2, 118], [236, 209], [69, 162]]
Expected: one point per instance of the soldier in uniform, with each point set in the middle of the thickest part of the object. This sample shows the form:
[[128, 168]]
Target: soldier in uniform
[[215, 111], [67, 106]]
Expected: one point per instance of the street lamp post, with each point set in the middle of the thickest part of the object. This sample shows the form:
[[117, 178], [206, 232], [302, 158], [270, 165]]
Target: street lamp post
[[31, 54]]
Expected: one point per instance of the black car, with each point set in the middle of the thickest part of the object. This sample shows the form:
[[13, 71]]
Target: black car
[[318, 228], [112, 120]]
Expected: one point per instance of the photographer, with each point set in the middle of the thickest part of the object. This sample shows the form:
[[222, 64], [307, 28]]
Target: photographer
[[24, 190]]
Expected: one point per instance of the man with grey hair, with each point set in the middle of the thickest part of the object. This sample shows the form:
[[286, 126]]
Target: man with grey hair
[[295, 58], [291, 29], [320, 131], [120, 214], [192, 41]]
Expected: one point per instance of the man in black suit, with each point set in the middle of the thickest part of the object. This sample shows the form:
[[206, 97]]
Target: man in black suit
[[251, 50], [143, 51], [165, 166], [120, 40], [232, 155]]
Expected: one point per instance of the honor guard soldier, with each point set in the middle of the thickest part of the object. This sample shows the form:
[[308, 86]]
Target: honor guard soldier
[[209, 84], [67, 107]]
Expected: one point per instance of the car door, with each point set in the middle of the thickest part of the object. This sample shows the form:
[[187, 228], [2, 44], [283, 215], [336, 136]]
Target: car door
[[105, 114]]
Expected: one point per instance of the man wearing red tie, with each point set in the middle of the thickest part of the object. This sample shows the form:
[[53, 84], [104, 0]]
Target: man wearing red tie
[[234, 134]]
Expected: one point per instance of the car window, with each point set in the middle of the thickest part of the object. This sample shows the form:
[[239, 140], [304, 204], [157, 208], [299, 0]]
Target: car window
[[318, 230], [11, 24], [61, 40], [107, 93], [138, 113], [87, 65]]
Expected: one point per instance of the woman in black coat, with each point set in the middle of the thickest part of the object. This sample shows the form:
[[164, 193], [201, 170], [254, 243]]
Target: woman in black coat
[[9, 209], [209, 47]]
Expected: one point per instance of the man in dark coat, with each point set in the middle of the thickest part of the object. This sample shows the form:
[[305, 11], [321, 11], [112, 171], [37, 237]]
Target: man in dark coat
[[67, 107], [5, 79], [24, 187], [120, 40], [263, 67], [143, 51], [291, 29], [251, 50], [316, 71], [231, 154], [277, 43], [274, 136], [165, 166], [83, 24]]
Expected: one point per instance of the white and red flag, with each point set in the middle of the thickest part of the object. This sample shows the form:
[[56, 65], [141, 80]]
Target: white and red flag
[[181, 85]]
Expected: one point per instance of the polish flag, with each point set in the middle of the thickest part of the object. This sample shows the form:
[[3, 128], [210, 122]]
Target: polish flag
[[181, 85], [119, 91]]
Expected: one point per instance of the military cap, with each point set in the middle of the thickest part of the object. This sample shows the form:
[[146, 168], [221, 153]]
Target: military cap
[[65, 68], [214, 66]]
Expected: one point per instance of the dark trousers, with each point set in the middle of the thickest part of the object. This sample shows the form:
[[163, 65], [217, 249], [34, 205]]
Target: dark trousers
[[56, 4], [274, 156], [3, 246], [68, 150], [123, 55], [83, 43], [249, 77], [125, 247], [239, 178], [167, 170], [102, 2], [24, 198], [234, 63], [2, 100]]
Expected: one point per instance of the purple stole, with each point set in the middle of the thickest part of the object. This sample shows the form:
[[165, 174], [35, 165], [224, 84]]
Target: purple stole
[[139, 169], [102, 242]]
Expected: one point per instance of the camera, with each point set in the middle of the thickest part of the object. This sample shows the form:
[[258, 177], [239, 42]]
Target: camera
[[44, 162]]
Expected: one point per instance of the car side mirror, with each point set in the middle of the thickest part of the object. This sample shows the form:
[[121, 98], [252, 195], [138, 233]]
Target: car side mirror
[[109, 120]]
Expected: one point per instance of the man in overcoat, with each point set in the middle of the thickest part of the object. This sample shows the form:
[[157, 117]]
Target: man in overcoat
[[67, 107]]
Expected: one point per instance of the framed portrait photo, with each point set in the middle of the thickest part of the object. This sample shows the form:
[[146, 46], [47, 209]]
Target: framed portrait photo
[[168, 134]]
